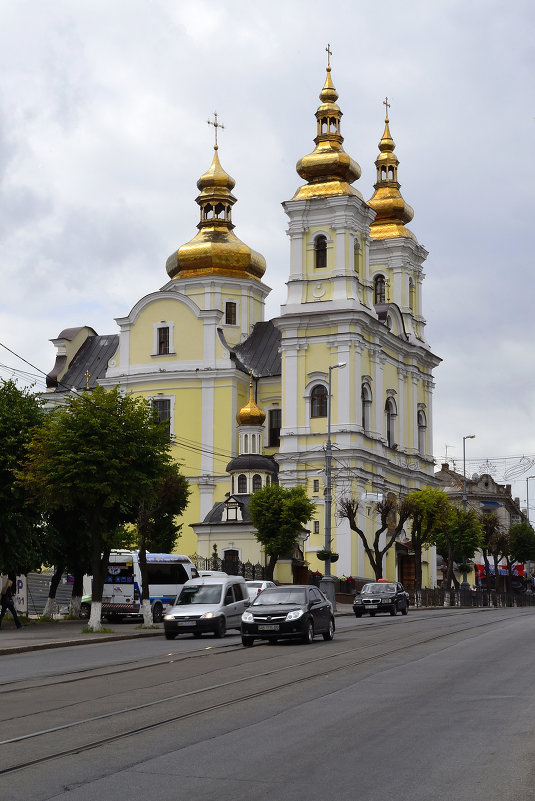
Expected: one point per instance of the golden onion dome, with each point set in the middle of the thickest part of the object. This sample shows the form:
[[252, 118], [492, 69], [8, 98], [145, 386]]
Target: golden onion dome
[[216, 250], [392, 212], [251, 414], [328, 170]]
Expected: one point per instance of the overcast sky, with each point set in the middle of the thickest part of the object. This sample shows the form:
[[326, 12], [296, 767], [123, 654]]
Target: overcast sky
[[103, 135]]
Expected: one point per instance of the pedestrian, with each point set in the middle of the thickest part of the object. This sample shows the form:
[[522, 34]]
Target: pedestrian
[[9, 603]]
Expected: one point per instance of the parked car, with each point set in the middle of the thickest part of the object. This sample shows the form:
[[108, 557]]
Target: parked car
[[288, 612], [254, 587], [381, 596], [211, 604]]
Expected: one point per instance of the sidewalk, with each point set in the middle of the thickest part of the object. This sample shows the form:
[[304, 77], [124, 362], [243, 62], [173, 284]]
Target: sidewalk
[[37, 636]]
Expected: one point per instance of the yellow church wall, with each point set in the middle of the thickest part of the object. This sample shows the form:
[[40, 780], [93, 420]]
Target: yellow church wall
[[187, 328]]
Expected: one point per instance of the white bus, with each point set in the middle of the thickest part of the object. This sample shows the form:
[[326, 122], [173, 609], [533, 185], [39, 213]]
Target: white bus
[[121, 597]]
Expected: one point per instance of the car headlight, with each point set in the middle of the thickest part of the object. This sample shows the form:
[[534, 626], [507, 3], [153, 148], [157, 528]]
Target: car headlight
[[295, 615], [247, 617], [387, 601], [207, 616], [168, 617], [358, 601]]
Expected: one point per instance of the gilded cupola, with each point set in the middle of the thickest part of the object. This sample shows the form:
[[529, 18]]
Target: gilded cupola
[[392, 212], [328, 170], [216, 250], [251, 414]]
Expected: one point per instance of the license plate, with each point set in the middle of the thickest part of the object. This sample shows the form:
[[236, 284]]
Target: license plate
[[268, 627], [185, 623], [371, 606]]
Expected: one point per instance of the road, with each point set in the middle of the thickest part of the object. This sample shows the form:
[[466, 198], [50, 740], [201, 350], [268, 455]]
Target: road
[[439, 704]]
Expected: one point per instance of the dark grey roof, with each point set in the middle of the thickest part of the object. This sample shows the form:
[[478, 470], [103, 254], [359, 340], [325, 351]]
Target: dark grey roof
[[215, 515], [260, 351], [92, 357], [252, 461]]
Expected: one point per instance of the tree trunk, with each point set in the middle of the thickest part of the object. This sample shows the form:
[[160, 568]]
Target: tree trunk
[[487, 568], [77, 592], [145, 593], [99, 560], [271, 567], [50, 605], [147, 613]]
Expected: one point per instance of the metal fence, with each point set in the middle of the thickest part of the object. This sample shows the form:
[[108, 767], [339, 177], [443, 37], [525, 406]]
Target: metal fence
[[467, 598], [248, 570]]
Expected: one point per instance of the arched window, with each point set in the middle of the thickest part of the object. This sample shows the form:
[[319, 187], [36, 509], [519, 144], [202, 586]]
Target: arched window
[[379, 289], [246, 443], [257, 482], [242, 484], [390, 415], [318, 401], [422, 428], [356, 253], [411, 294], [366, 399], [320, 248]]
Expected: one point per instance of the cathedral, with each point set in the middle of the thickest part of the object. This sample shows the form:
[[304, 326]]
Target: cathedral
[[250, 401]]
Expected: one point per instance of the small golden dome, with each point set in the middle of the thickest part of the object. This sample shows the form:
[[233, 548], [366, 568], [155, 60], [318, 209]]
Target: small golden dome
[[328, 170], [392, 212], [251, 414], [216, 249]]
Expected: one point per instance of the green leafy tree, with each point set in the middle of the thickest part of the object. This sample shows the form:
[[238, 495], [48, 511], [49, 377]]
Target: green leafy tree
[[68, 549], [429, 510], [520, 547], [21, 541], [99, 454], [392, 514], [157, 524], [278, 514], [459, 539], [493, 545]]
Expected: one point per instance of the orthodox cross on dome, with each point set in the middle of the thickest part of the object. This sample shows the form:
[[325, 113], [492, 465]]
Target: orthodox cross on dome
[[386, 104], [216, 125], [329, 54], [87, 375]]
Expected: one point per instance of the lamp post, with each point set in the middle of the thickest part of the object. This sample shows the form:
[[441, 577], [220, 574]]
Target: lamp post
[[528, 564], [464, 583], [327, 582]]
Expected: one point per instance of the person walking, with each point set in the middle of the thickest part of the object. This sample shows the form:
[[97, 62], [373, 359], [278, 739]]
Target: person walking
[[9, 603]]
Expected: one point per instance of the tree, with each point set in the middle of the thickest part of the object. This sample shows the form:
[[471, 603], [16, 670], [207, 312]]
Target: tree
[[493, 544], [21, 541], [99, 454], [429, 510], [278, 514], [520, 547], [157, 526], [67, 547], [459, 538], [392, 516]]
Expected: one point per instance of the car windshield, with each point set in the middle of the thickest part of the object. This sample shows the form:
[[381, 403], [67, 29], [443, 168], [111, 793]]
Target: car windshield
[[271, 597], [377, 589], [200, 594]]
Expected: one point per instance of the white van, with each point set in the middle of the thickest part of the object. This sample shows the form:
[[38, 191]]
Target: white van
[[211, 604], [167, 574]]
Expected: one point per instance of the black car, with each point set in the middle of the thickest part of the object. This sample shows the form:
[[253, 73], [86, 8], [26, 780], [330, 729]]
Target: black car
[[291, 612], [381, 596]]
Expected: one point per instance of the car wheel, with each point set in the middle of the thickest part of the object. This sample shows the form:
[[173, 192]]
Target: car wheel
[[170, 635], [85, 611], [308, 634], [197, 635], [371, 614], [405, 610], [221, 628], [394, 611], [157, 613], [328, 635], [247, 641], [358, 614]]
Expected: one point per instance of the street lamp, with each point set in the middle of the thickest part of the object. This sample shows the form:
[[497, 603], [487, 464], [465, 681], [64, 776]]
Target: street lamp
[[327, 582], [464, 583], [527, 497], [468, 436]]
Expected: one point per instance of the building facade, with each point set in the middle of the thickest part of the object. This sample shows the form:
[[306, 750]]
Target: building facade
[[201, 351]]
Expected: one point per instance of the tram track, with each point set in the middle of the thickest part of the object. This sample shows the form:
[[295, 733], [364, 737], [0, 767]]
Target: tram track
[[309, 669]]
